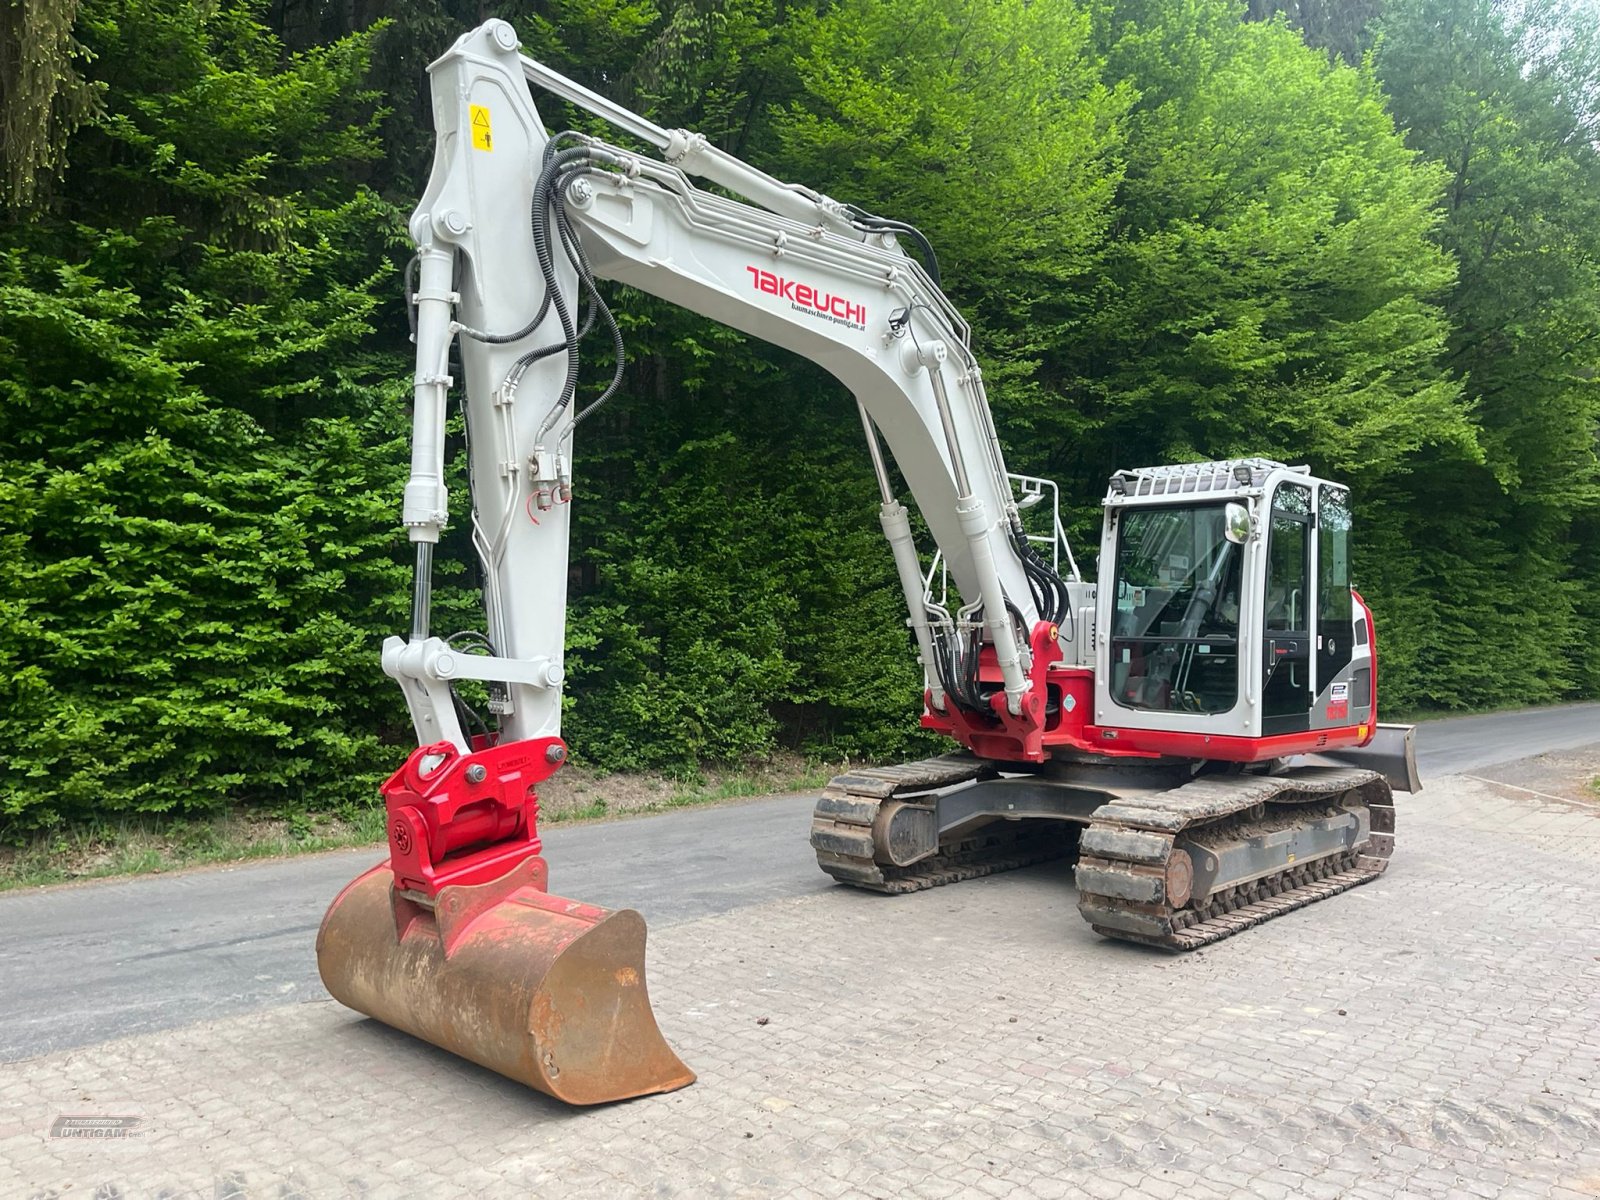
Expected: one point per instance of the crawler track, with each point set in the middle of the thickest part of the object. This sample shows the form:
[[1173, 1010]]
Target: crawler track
[[842, 830], [1132, 873]]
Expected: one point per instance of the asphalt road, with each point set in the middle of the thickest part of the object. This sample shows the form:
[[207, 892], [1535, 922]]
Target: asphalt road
[[80, 965]]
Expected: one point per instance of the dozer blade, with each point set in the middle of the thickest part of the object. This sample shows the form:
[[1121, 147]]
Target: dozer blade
[[547, 991], [1391, 753]]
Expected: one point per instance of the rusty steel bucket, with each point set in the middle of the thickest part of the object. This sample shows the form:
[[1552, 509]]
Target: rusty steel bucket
[[547, 991]]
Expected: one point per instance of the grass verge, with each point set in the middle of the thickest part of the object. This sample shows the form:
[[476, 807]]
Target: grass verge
[[150, 845], [1419, 716]]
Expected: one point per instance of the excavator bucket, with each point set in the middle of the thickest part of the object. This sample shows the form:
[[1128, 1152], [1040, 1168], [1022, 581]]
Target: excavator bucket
[[547, 991]]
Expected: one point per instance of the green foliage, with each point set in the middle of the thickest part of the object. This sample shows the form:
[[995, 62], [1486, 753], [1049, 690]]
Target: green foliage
[[197, 463], [1275, 283], [987, 121], [988, 126], [727, 593], [1341, 27], [687, 678], [1272, 285], [43, 95], [1505, 101], [1176, 233]]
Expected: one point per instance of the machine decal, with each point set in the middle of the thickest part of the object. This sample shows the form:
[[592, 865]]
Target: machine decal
[[804, 298], [482, 135], [1339, 702]]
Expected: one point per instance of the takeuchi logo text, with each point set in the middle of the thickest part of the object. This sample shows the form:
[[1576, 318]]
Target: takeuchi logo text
[[806, 298]]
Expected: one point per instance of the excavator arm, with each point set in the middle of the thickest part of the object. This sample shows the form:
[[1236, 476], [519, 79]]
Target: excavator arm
[[455, 937], [512, 234]]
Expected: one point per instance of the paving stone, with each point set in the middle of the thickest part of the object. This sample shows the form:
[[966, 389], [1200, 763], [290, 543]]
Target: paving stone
[[1467, 1064]]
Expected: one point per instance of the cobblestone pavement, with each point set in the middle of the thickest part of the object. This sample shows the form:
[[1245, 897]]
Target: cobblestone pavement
[[1436, 1033]]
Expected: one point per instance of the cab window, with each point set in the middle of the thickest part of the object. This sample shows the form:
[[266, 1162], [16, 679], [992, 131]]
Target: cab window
[[1175, 636]]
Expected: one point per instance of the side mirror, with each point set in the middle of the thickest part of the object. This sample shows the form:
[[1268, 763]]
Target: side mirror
[[1236, 524]]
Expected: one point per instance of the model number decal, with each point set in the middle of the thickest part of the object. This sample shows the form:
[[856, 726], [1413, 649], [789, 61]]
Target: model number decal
[[804, 298]]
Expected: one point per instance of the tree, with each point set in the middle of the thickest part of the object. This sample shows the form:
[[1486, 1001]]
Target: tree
[[1270, 284], [43, 94], [198, 455], [1341, 27], [1504, 98], [988, 126]]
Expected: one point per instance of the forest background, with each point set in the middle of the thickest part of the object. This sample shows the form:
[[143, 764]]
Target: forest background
[[1363, 234]]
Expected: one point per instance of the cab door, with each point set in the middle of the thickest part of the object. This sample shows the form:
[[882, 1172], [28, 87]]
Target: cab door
[[1342, 692], [1286, 692]]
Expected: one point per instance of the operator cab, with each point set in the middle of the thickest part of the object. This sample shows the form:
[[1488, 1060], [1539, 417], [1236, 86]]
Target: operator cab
[[1225, 612]]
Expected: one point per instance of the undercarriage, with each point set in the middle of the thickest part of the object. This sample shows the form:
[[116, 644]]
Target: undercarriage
[[1172, 854]]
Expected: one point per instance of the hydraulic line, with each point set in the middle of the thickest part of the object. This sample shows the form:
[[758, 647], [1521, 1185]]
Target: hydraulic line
[[580, 263], [1050, 592], [552, 295], [974, 522], [594, 307], [546, 257], [866, 222], [549, 181]]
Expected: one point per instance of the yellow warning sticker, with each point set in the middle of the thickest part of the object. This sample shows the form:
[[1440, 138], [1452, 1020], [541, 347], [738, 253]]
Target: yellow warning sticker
[[482, 138]]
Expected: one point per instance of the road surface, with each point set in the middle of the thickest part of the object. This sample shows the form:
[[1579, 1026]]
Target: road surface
[[81, 965]]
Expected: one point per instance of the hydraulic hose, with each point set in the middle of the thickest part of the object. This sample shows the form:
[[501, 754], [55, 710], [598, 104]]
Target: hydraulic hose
[[869, 223]]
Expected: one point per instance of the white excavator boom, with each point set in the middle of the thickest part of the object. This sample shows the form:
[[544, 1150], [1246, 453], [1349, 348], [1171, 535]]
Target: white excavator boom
[[792, 267]]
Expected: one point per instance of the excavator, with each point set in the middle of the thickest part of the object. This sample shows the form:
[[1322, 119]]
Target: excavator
[[1199, 725]]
